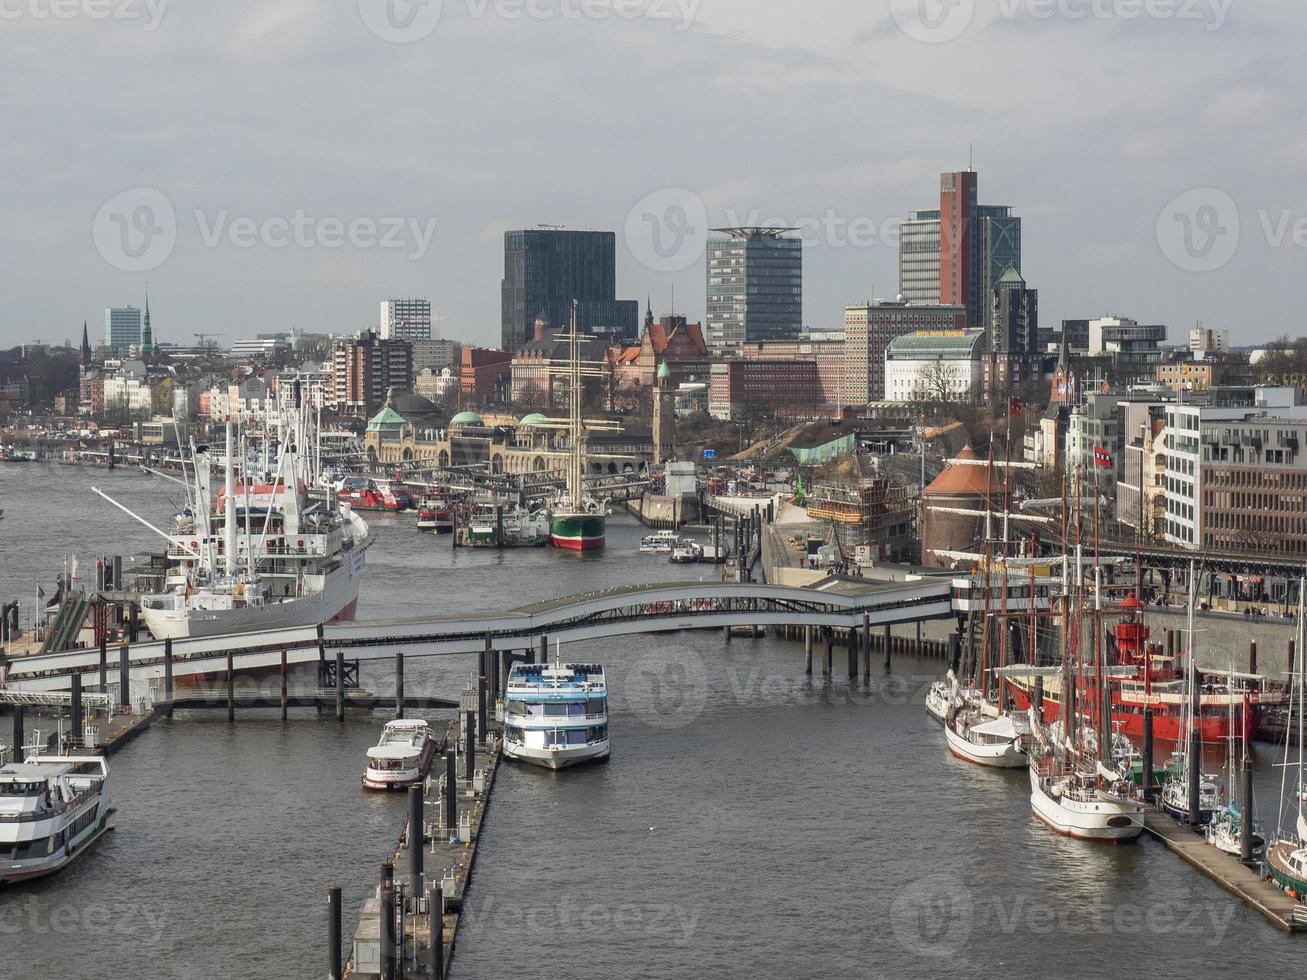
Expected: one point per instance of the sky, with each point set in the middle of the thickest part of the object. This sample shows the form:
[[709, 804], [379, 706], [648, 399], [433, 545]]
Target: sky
[[269, 165]]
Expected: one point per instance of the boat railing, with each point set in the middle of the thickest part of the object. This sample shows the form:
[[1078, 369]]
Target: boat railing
[[54, 810]]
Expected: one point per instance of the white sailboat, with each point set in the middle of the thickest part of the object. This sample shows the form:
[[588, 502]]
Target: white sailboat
[[1287, 856]]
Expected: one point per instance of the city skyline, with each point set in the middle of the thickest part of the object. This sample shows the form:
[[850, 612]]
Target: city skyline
[[1082, 168]]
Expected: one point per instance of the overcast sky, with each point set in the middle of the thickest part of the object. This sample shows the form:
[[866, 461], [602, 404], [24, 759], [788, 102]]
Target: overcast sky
[[266, 165]]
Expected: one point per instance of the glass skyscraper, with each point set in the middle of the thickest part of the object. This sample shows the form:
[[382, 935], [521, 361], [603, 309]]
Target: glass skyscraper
[[958, 252], [755, 286], [122, 328], [546, 268]]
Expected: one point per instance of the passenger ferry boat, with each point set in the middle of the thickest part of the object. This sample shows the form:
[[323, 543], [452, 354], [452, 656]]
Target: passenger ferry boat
[[436, 514], [687, 551], [51, 809], [380, 496], [556, 715], [402, 757], [658, 543]]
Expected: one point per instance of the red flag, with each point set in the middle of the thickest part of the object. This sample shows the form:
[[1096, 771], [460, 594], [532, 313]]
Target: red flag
[[1014, 407], [1102, 457]]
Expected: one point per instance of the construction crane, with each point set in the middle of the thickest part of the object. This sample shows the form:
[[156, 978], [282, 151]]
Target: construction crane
[[206, 340]]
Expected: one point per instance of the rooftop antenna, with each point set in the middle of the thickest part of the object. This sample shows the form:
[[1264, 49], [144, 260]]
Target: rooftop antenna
[[971, 157]]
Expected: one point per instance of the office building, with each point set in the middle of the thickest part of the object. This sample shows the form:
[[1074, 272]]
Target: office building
[[935, 366], [545, 269], [1203, 340], [755, 286], [1015, 357], [958, 253], [405, 319], [1236, 478], [122, 328], [868, 330]]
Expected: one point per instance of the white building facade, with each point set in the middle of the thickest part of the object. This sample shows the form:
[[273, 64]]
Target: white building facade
[[405, 319]]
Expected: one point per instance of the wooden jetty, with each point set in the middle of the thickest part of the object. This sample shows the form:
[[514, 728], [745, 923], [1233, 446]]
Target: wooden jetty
[[410, 924], [1258, 892]]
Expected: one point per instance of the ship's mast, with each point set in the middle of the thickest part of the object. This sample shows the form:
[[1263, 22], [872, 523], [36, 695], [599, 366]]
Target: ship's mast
[[576, 469], [229, 517]]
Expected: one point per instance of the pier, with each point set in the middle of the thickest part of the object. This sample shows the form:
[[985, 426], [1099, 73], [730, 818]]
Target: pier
[[1257, 892], [409, 926]]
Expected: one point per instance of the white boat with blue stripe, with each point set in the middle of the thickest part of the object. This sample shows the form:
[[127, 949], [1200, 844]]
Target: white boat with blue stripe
[[556, 715]]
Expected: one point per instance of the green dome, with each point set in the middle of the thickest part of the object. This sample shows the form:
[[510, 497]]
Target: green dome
[[466, 418], [664, 372], [535, 418]]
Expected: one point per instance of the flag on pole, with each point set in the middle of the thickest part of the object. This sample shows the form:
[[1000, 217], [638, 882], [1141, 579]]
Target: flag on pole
[[1014, 407], [1102, 457]]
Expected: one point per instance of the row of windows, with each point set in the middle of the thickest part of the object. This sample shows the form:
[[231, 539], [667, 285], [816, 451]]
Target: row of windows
[[566, 736], [558, 709]]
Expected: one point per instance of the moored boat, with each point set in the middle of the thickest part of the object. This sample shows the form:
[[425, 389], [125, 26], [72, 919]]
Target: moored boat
[[997, 742], [402, 757], [52, 808], [556, 715], [658, 543]]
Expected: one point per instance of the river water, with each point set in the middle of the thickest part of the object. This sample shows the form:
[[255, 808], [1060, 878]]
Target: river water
[[750, 823]]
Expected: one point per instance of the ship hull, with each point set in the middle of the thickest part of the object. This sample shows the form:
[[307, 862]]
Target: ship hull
[[1099, 821], [1168, 723], [995, 756], [578, 532], [337, 600]]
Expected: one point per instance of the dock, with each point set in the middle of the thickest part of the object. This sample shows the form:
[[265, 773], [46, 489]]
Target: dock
[[410, 921], [1258, 892]]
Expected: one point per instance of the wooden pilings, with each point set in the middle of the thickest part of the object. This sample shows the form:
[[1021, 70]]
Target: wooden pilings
[[124, 679], [852, 642], [18, 733], [167, 669], [340, 684], [284, 698], [231, 689], [77, 723], [399, 684], [416, 838], [334, 968], [887, 641], [866, 648], [807, 650]]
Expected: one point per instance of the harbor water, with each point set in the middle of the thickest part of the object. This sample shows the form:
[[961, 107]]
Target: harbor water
[[751, 822]]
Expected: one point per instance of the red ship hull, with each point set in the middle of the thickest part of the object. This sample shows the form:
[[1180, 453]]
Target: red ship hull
[[1214, 724]]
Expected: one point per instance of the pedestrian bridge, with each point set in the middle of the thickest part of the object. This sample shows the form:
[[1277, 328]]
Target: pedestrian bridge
[[840, 603]]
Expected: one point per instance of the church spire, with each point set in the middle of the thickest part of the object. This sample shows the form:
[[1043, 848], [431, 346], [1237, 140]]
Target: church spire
[[147, 335], [648, 313], [86, 346]]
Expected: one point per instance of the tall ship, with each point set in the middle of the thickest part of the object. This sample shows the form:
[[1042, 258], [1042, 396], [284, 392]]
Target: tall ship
[[578, 522], [1286, 857], [260, 553], [52, 808], [556, 715]]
